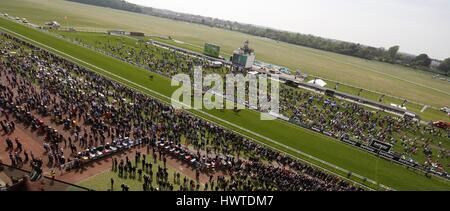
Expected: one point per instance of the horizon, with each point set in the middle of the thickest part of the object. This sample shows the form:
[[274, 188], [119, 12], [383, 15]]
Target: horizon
[[424, 34]]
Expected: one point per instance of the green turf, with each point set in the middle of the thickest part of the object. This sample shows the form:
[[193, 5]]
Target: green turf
[[96, 40], [296, 138], [395, 80]]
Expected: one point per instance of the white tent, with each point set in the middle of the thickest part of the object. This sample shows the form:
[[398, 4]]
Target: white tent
[[318, 82], [398, 106]]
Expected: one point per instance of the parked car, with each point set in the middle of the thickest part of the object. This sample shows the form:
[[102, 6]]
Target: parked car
[[103, 150], [110, 148], [92, 153]]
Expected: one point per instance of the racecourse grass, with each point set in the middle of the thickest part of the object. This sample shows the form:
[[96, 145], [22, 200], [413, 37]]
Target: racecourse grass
[[327, 149]]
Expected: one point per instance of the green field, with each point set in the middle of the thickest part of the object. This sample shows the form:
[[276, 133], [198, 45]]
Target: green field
[[279, 134], [396, 80]]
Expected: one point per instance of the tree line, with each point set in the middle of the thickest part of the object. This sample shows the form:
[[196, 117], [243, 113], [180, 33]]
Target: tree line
[[390, 55]]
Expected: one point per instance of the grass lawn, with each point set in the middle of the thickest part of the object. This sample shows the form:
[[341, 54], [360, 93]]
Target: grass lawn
[[278, 134], [101, 181], [395, 80]]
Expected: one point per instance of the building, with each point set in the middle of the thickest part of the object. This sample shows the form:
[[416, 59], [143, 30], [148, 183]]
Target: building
[[318, 82], [116, 32], [33, 25], [244, 56]]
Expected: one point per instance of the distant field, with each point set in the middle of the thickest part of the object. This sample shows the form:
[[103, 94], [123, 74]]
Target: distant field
[[291, 139], [413, 85]]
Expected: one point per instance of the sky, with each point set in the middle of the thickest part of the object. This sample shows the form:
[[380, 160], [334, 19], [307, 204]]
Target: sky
[[417, 26]]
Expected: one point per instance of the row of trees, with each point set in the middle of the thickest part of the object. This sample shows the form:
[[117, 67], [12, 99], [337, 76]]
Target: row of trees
[[390, 55]]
